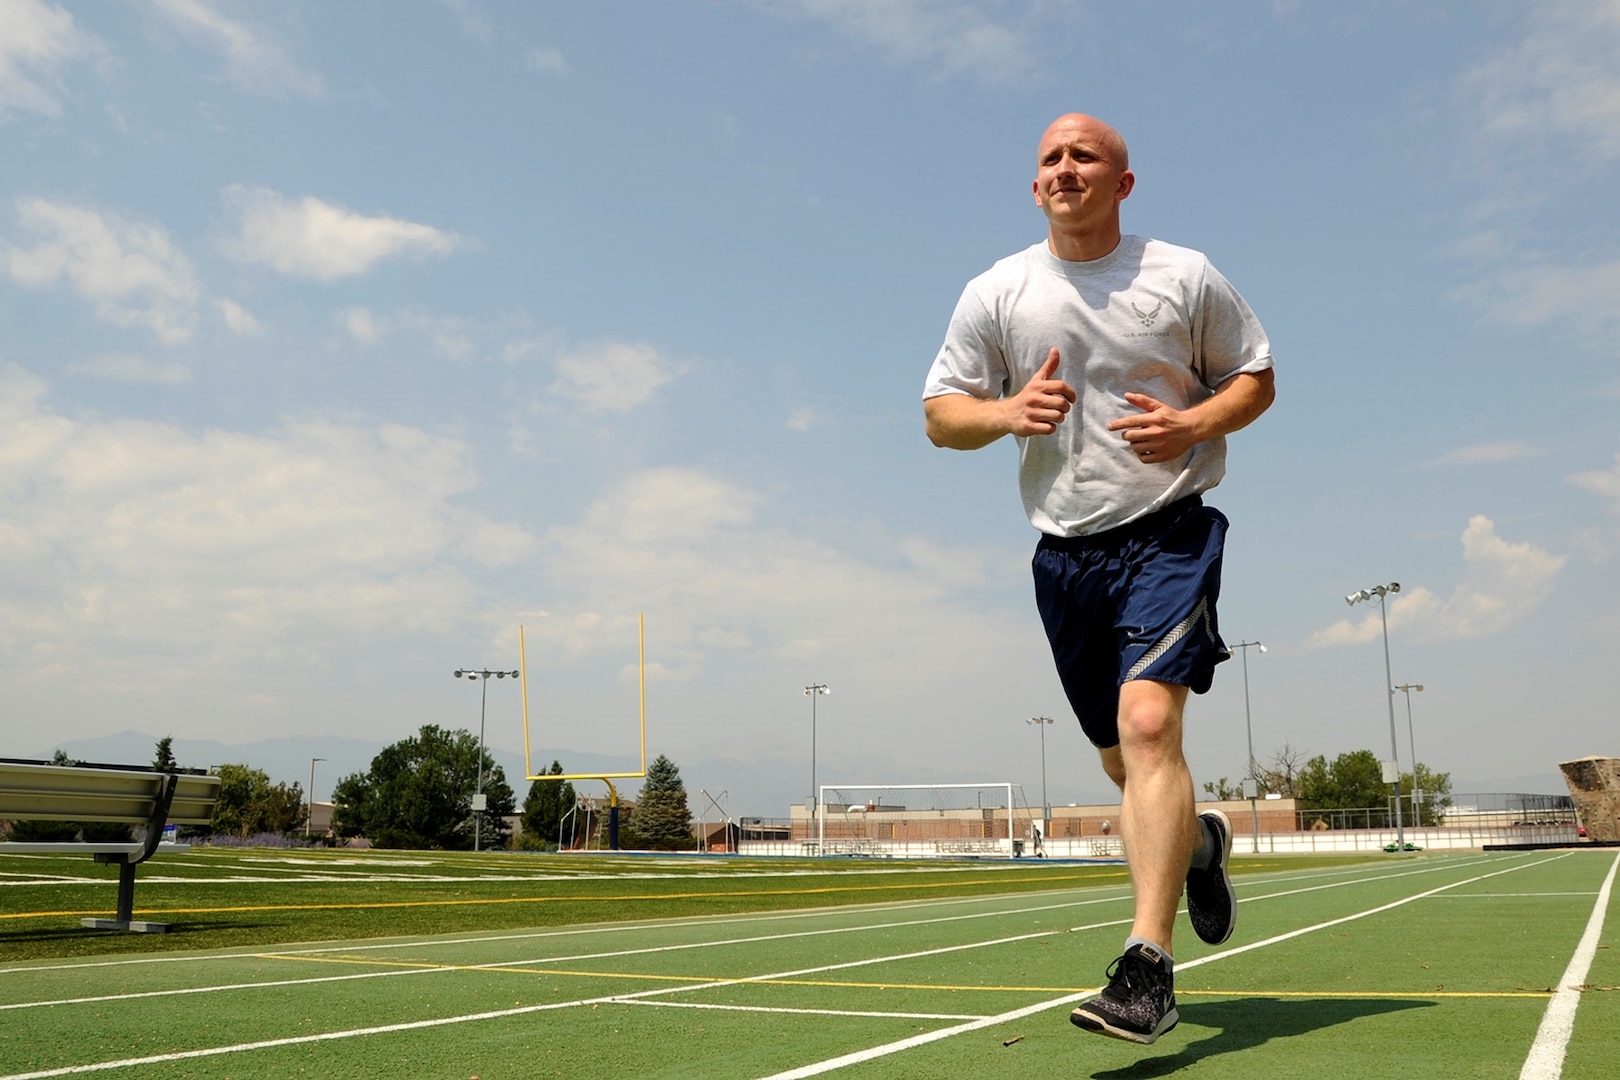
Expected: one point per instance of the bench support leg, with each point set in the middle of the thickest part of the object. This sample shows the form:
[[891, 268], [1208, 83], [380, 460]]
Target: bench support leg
[[126, 908]]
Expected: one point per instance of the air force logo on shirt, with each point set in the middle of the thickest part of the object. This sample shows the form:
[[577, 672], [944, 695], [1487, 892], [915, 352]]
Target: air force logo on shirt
[[1147, 316]]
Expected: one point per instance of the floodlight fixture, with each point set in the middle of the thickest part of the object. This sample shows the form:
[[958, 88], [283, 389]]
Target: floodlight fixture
[[483, 699], [1382, 592], [813, 691], [1243, 647], [1046, 803], [1417, 791]]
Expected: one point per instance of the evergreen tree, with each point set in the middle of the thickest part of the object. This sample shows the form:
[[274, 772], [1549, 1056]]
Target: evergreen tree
[[418, 794], [163, 759], [547, 804], [662, 821]]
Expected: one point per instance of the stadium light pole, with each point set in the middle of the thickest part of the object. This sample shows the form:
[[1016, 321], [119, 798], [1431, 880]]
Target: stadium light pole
[[1248, 726], [1046, 803], [482, 674], [309, 822], [1382, 592], [813, 691], [1417, 789]]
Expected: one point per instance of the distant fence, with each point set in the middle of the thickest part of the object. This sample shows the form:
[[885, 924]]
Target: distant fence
[[1458, 821]]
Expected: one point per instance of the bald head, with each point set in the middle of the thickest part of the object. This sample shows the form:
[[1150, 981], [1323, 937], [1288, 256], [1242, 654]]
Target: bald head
[[1082, 174], [1071, 125]]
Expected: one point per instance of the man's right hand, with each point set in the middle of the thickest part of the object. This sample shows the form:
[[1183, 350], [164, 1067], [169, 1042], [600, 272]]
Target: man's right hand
[[1042, 404], [961, 422]]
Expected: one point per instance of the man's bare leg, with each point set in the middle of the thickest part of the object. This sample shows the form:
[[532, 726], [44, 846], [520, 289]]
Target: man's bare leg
[[1157, 818]]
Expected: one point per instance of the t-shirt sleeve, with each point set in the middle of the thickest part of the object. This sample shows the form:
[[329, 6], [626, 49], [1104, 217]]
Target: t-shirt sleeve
[[972, 360], [1231, 340]]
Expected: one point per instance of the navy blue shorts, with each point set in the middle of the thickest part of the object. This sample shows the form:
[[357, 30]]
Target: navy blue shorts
[[1136, 602]]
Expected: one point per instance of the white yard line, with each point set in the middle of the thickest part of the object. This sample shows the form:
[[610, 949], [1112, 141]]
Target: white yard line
[[810, 1070], [428, 968], [575, 957], [798, 1012], [1546, 1060], [870, 1053], [416, 1025]]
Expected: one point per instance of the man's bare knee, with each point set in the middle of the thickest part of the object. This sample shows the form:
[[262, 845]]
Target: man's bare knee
[[1150, 716]]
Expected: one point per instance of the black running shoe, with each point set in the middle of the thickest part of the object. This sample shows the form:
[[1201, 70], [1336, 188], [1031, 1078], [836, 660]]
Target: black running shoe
[[1211, 903], [1139, 1002]]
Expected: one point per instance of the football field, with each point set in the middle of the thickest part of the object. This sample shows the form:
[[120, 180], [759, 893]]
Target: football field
[[1437, 965]]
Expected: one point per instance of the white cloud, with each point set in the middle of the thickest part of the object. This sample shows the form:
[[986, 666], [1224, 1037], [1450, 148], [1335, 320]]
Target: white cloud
[[727, 574], [313, 238], [1502, 582], [130, 270], [1605, 483], [1553, 95], [122, 367], [946, 36], [473, 19], [240, 321], [802, 419], [545, 60], [362, 326], [255, 61], [1580, 298], [1559, 80], [613, 376], [36, 39], [132, 538], [451, 338], [1486, 454]]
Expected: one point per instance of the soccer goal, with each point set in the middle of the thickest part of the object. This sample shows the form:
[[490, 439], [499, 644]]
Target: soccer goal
[[922, 820]]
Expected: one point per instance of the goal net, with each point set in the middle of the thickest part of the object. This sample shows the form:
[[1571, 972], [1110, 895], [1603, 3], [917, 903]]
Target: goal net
[[916, 820]]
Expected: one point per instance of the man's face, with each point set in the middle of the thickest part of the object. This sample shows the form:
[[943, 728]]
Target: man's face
[[1080, 175]]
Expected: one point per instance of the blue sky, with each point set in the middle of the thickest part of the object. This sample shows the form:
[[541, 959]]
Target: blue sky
[[339, 340]]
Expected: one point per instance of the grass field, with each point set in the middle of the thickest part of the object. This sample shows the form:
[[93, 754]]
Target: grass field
[[356, 964]]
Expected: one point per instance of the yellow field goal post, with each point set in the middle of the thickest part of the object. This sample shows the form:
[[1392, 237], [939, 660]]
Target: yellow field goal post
[[606, 777]]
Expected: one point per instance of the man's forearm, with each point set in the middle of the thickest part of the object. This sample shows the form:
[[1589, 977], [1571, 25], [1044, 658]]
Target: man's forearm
[[1236, 404], [960, 422]]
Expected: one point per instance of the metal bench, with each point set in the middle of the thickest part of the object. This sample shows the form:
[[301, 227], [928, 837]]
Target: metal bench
[[37, 790]]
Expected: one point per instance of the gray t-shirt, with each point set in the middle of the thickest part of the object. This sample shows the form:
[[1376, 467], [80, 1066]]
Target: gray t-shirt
[[1148, 317]]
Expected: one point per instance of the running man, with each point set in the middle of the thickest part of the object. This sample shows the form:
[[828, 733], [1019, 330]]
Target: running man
[[1120, 363]]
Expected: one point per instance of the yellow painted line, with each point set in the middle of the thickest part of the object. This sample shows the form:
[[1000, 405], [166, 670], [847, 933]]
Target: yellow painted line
[[582, 899], [1366, 995]]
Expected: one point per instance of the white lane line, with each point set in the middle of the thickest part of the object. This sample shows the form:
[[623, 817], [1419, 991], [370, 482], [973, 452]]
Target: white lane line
[[800, 1012], [609, 999], [430, 968], [216, 1051], [869, 1054], [642, 925], [586, 931], [1546, 1059]]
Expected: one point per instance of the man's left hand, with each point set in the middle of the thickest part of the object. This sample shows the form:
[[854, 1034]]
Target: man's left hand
[[1158, 433]]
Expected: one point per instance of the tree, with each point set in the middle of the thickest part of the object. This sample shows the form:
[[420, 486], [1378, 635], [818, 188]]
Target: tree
[[418, 794], [1279, 777], [1436, 789], [163, 758], [1281, 773], [547, 804], [662, 821], [1355, 781], [249, 804]]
